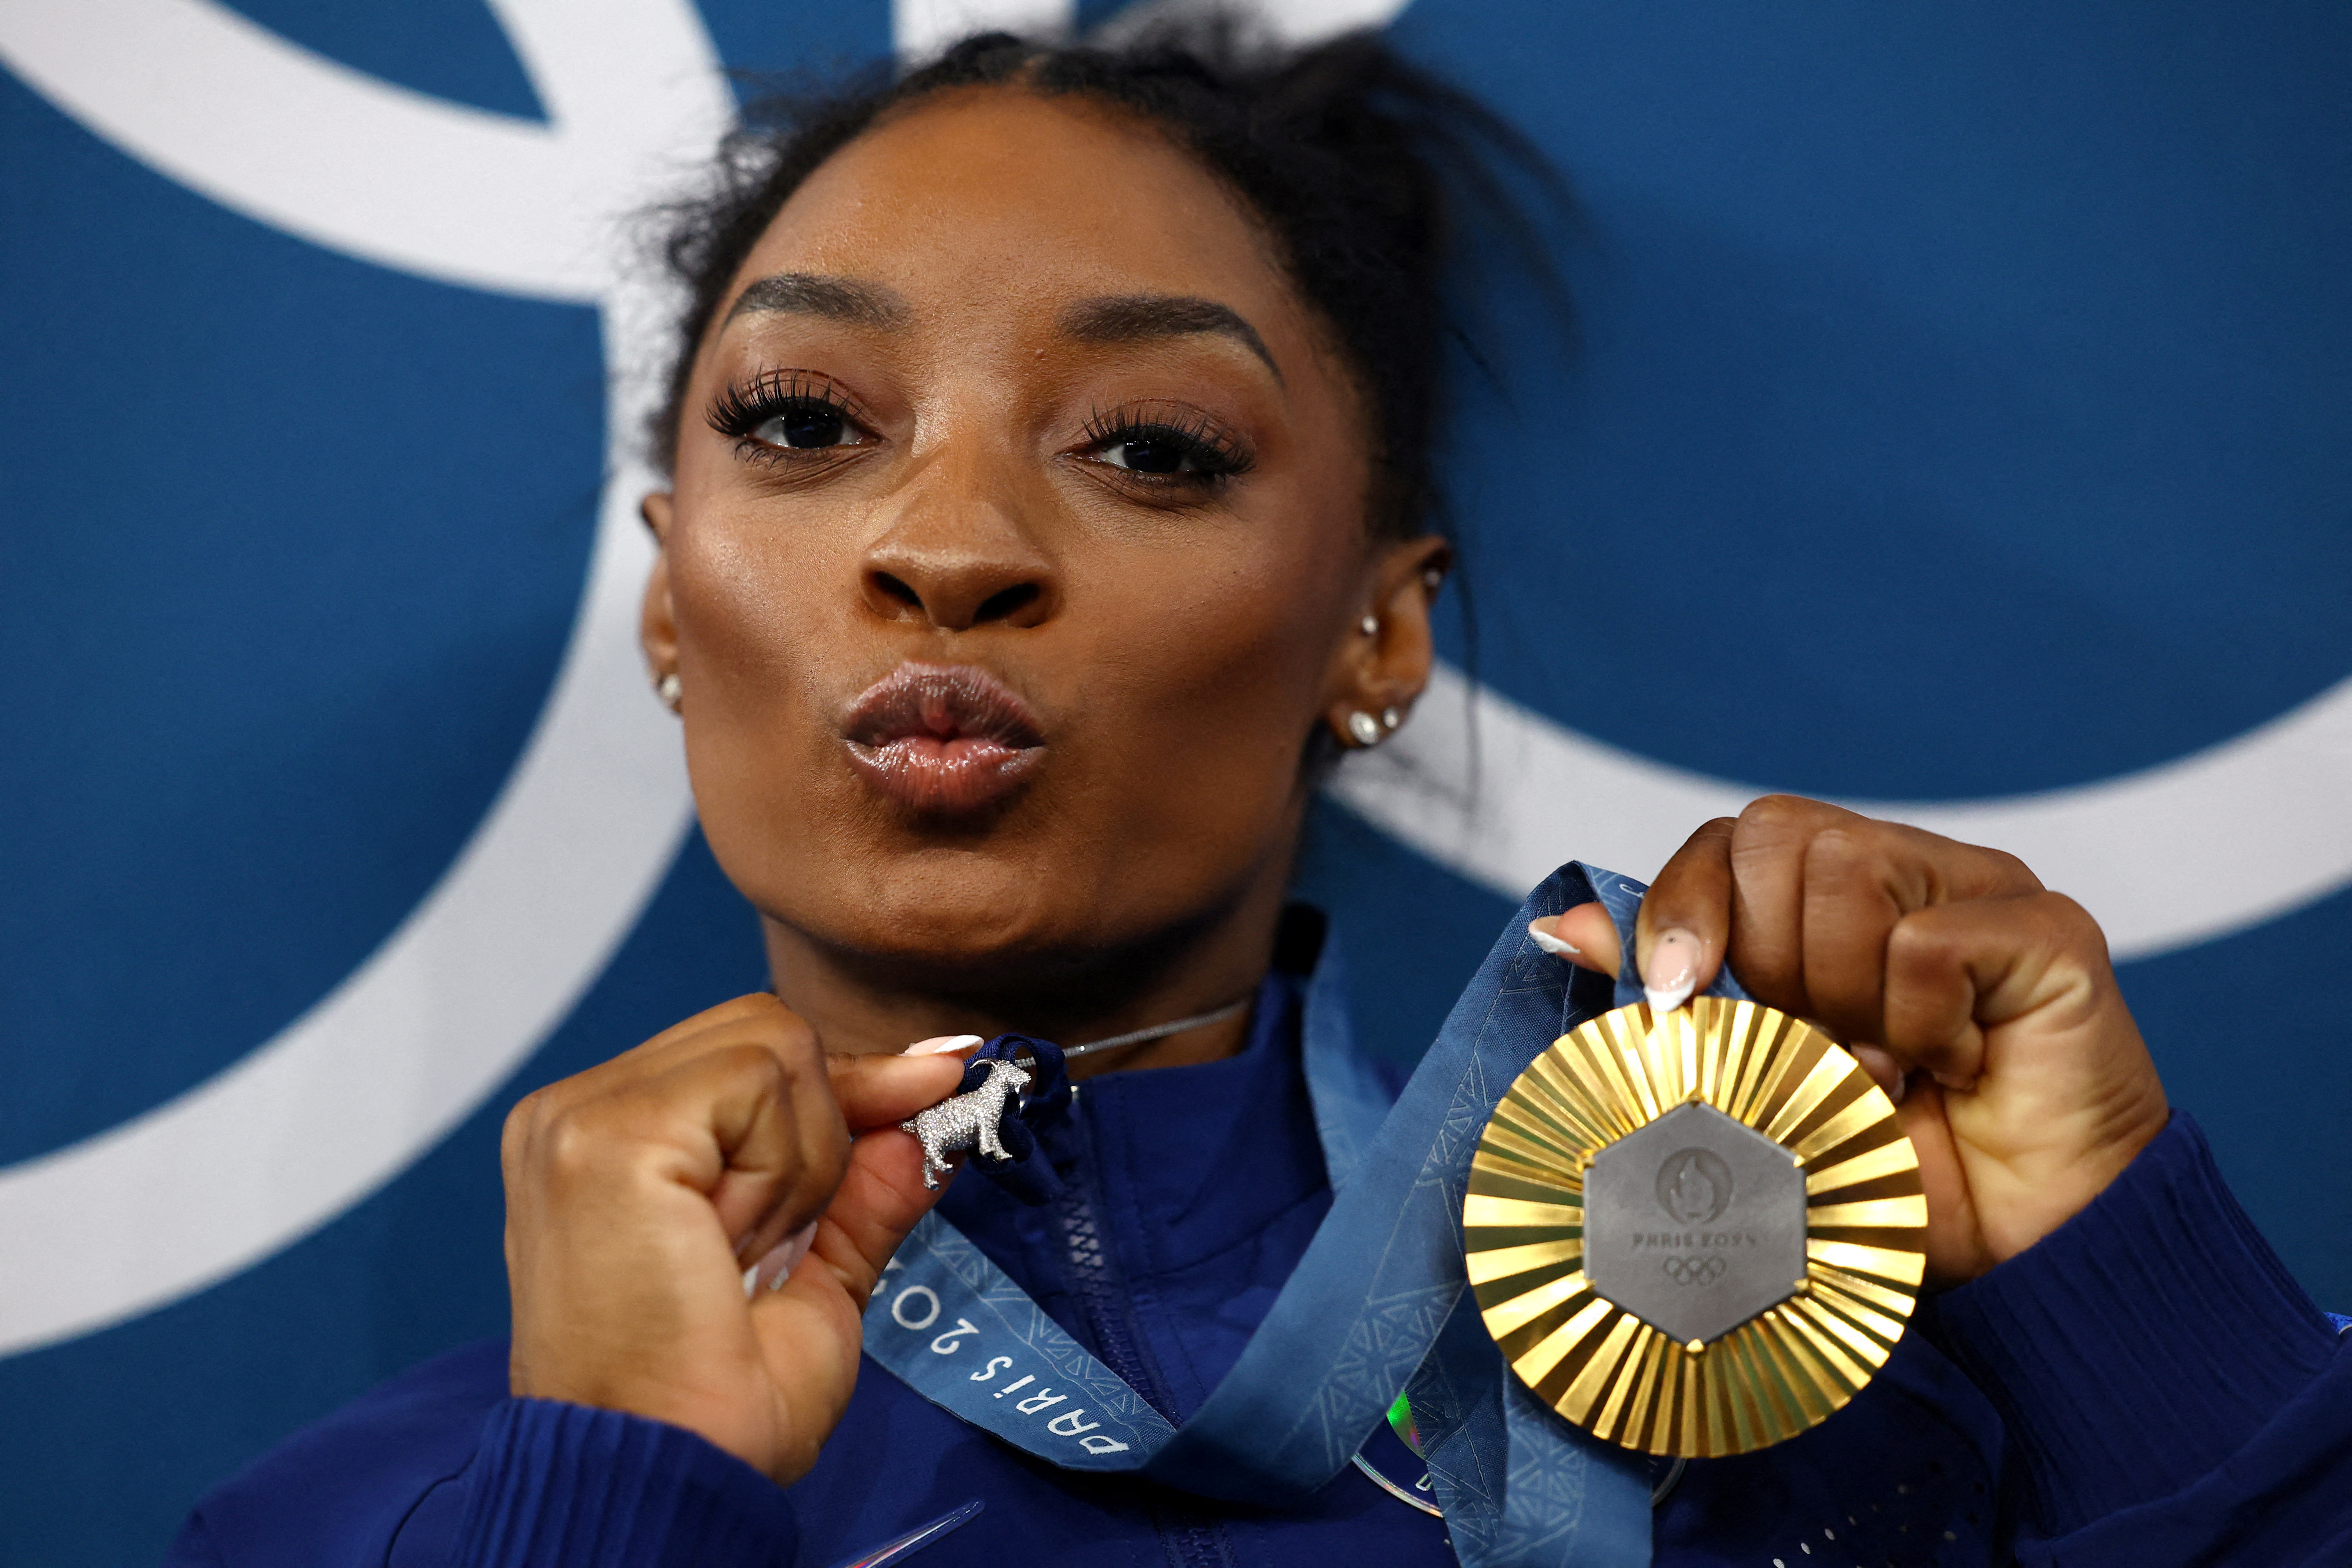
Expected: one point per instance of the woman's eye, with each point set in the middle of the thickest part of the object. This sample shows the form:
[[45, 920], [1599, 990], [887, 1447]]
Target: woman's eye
[[1183, 452], [808, 426], [1150, 456]]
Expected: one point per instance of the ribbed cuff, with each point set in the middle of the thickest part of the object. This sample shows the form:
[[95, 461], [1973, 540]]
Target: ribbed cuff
[[2138, 1347], [568, 1485]]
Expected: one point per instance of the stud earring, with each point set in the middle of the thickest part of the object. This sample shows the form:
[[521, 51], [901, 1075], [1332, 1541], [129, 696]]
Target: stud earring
[[1390, 719], [666, 687], [1365, 730], [1369, 625], [1433, 579]]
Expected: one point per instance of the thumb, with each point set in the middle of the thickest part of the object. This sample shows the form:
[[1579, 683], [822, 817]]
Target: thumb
[[880, 1199], [882, 1194], [809, 1329], [872, 1092]]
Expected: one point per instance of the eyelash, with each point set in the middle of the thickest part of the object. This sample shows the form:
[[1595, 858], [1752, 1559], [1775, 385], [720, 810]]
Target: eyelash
[[1217, 453], [741, 408]]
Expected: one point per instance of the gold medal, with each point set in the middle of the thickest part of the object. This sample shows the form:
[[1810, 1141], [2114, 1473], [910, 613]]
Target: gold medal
[[1695, 1234]]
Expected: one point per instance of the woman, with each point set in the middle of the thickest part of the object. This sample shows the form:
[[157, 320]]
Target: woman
[[1050, 508]]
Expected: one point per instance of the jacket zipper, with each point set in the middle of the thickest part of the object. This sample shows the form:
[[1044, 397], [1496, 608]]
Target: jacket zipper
[[1192, 1537]]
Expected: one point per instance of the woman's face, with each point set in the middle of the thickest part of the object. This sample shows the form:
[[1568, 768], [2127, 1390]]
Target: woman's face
[[1017, 545]]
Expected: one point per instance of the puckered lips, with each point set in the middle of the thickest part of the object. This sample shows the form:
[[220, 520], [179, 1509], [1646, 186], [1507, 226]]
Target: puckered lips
[[943, 739]]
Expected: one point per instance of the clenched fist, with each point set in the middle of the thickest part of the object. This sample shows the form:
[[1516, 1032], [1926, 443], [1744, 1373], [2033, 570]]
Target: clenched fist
[[1983, 1002], [638, 1191]]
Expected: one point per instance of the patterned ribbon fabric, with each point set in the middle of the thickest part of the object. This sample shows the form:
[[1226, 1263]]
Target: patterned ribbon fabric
[[1378, 1303], [1518, 1485]]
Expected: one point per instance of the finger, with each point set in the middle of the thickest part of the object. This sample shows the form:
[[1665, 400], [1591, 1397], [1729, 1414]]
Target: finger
[[751, 1125], [1679, 936], [2042, 1078], [757, 1016], [1768, 910], [881, 1091], [781, 1139], [1954, 1240], [881, 1196], [780, 1159], [1585, 936], [1955, 971], [725, 1127], [1884, 1070], [771, 1265], [871, 1092], [738, 1018], [1861, 878], [940, 1044]]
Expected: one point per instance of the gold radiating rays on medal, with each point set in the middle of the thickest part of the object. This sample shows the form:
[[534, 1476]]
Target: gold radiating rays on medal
[[1783, 1371]]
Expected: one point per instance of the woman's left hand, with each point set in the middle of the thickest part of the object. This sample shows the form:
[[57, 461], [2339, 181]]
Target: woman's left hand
[[1985, 1003]]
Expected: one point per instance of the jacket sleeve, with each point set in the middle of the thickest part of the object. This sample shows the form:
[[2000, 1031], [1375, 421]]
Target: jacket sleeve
[[2170, 1394], [596, 1488]]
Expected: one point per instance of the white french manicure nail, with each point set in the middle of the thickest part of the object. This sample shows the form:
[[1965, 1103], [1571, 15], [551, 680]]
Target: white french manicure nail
[[941, 1045], [1553, 945], [1672, 974], [778, 1264]]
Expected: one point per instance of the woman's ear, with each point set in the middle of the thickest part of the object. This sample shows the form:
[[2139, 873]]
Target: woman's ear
[[657, 621], [1385, 657]]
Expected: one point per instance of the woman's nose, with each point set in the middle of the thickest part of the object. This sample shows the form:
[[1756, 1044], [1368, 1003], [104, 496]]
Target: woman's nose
[[958, 564]]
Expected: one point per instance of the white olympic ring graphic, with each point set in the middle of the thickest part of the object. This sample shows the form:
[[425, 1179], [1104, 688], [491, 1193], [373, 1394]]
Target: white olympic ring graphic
[[495, 956]]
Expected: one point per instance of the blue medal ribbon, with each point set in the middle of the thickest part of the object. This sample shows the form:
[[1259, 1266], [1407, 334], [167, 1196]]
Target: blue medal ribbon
[[1377, 1304]]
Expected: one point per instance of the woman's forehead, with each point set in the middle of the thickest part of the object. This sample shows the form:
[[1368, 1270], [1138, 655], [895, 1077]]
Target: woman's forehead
[[983, 199]]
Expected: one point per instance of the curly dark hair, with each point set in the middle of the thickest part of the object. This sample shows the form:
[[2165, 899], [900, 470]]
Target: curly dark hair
[[1360, 165]]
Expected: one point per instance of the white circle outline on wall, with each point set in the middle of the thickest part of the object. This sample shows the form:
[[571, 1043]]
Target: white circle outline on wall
[[582, 832], [499, 952]]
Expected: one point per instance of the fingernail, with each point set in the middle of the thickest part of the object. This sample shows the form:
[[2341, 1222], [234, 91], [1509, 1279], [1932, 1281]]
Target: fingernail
[[778, 1264], [941, 1045], [1671, 974], [1883, 1071], [1552, 944]]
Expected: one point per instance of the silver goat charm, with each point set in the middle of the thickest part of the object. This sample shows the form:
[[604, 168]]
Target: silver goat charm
[[967, 1122]]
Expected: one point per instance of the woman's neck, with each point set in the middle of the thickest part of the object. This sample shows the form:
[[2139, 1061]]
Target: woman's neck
[[862, 1008]]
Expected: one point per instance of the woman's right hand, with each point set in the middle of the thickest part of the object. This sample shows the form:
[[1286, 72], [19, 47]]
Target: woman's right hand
[[637, 1192]]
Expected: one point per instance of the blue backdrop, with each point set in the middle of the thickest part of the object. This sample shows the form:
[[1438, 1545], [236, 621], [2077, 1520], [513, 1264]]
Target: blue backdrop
[[1964, 410]]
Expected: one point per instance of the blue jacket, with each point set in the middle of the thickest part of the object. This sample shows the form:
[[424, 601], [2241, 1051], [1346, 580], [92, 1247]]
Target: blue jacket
[[2148, 1386]]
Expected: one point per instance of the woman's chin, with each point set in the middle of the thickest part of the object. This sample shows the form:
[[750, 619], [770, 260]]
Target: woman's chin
[[984, 924]]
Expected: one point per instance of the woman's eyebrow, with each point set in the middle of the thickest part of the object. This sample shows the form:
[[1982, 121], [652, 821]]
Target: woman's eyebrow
[[834, 299], [1126, 317]]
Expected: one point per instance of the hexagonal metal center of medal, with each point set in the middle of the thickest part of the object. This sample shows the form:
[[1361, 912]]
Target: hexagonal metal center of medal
[[1694, 1223]]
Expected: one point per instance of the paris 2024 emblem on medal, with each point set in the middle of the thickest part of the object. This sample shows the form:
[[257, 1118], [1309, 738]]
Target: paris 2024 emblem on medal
[[1696, 1234]]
